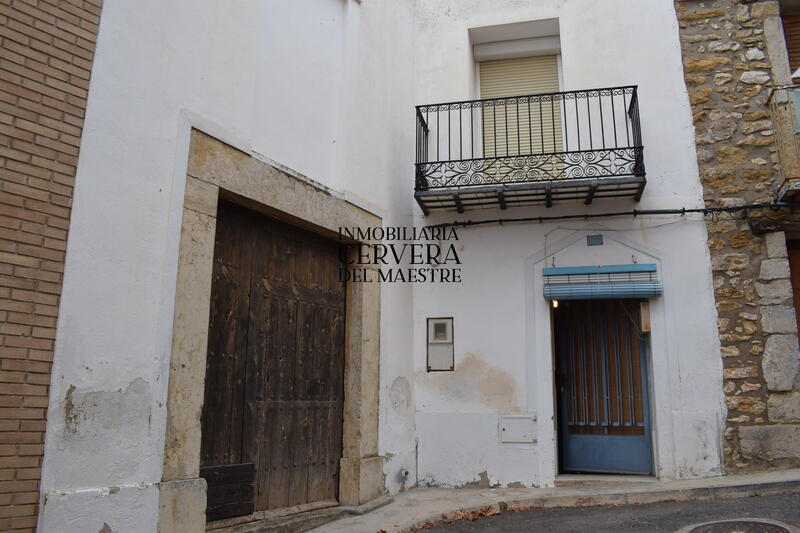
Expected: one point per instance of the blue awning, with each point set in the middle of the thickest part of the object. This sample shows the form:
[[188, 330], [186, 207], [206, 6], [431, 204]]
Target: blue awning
[[602, 281]]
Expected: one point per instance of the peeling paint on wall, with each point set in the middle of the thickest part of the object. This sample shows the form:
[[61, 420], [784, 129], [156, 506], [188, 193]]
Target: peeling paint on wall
[[474, 379], [481, 483], [88, 414]]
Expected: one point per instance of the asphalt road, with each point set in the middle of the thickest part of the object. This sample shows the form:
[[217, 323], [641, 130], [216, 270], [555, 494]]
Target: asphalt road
[[649, 518]]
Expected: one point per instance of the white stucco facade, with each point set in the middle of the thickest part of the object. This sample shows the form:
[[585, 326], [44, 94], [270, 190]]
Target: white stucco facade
[[327, 89], [504, 343]]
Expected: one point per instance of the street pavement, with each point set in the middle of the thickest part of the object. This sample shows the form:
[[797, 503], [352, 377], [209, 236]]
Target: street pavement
[[647, 518]]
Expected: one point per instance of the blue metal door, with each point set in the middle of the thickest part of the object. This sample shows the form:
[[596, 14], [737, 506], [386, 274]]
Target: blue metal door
[[601, 379]]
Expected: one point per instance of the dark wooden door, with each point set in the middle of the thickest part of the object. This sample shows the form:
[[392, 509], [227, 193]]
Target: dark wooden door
[[794, 272], [275, 366], [791, 31], [604, 419]]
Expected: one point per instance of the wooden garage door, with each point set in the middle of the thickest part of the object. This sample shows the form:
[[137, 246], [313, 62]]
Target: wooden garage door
[[274, 375]]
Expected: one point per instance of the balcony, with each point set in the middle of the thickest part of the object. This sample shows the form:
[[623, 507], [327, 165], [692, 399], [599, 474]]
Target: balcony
[[537, 149]]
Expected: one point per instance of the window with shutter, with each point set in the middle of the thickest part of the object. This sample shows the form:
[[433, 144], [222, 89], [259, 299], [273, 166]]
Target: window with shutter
[[528, 128]]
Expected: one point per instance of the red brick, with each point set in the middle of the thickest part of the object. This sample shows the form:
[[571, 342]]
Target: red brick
[[22, 70], [67, 109], [38, 12], [8, 281], [10, 401], [22, 388], [32, 425], [26, 170], [27, 342], [13, 353], [11, 35], [49, 288], [49, 50], [16, 155], [43, 106], [25, 497], [24, 51], [15, 132], [26, 366], [28, 473], [12, 377], [18, 523], [30, 31], [38, 129], [32, 296], [52, 266], [24, 214], [45, 67], [20, 307], [21, 437], [33, 273], [10, 223], [28, 192], [31, 449], [18, 486], [9, 425], [79, 13], [35, 401], [44, 333]]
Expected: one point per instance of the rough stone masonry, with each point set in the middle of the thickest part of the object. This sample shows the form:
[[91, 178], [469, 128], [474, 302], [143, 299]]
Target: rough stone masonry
[[729, 72]]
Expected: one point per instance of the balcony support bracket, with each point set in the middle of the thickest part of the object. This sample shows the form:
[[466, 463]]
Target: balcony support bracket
[[639, 192], [590, 195], [457, 201]]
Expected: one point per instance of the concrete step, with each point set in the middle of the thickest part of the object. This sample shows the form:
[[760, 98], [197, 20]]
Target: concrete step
[[602, 480]]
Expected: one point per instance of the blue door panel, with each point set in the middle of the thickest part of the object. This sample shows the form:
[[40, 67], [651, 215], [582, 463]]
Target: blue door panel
[[597, 342]]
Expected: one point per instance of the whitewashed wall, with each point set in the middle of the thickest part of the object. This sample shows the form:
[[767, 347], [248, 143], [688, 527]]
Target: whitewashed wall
[[320, 86], [502, 342]]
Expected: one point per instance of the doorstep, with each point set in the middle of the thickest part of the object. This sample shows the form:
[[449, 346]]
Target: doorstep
[[599, 480], [286, 521], [416, 507]]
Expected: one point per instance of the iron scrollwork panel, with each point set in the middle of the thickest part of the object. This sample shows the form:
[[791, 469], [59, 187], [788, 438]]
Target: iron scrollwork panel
[[530, 168]]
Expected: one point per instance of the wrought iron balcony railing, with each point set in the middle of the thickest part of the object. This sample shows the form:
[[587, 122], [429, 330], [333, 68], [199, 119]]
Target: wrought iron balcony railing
[[529, 149]]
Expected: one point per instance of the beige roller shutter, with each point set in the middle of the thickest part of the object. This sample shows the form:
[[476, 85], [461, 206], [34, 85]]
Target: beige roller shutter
[[514, 129]]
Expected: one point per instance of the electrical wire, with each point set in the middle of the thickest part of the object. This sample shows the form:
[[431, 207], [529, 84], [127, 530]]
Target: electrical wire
[[714, 211]]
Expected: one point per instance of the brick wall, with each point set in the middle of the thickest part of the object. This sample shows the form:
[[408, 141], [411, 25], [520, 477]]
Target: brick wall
[[728, 74], [45, 61]]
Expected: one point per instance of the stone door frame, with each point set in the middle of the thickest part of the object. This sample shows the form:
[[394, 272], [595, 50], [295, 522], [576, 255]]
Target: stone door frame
[[215, 170]]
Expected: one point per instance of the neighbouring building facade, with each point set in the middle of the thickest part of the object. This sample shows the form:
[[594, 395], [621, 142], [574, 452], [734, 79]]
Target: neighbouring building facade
[[220, 325], [46, 59], [738, 73]]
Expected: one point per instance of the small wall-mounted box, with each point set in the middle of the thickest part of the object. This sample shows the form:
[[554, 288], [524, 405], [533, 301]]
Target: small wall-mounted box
[[518, 428], [440, 345]]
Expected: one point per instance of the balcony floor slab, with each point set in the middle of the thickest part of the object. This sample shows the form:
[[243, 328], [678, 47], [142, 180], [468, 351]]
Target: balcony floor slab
[[547, 193]]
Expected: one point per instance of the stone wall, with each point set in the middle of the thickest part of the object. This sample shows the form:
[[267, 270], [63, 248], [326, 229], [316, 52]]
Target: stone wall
[[729, 47], [46, 53]]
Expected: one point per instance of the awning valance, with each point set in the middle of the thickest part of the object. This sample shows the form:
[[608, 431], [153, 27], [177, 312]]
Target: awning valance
[[597, 282]]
